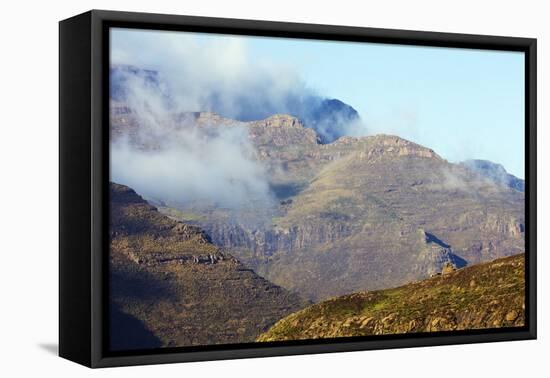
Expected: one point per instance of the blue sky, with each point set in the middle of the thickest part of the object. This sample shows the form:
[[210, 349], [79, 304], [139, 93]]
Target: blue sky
[[462, 103]]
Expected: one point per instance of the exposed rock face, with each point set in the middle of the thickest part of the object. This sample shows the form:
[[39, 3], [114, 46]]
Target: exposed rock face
[[489, 295], [384, 146], [350, 212], [170, 286], [278, 130], [272, 241], [435, 256]]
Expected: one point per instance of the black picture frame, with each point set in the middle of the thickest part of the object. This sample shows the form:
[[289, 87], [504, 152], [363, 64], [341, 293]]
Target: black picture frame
[[84, 193]]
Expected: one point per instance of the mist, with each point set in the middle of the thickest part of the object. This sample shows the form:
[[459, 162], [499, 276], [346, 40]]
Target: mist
[[199, 73], [191, 168], [168, 159]]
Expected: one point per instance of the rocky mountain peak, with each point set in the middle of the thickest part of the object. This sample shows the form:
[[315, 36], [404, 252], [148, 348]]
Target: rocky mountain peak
[[280, 120], [390, 145], [281, 130]]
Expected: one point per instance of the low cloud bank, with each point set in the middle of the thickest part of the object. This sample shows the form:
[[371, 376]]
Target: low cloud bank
[[179, 163], [221, 75], [161, 75]]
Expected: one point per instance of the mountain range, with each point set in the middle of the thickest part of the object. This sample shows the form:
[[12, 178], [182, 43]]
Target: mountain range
[[359, 213]]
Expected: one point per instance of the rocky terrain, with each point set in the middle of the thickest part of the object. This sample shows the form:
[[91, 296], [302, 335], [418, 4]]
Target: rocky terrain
[[488, 295], [170, 286], [359, 213]]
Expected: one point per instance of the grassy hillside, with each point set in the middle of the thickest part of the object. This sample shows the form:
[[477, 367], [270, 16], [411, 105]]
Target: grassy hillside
[[488, 295], [170, 286]]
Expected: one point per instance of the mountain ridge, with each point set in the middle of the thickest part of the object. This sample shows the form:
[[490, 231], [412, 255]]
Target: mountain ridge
[[349, 212], [170, 286], [329, 117]]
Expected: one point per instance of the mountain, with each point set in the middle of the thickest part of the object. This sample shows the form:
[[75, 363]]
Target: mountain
[[345, 224], [361, 221], [489, 295], [330, 118], [360, 213], [170, 286], [496, 173]]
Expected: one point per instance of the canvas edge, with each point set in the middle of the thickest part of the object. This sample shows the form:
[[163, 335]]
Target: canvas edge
[[99, 166], [75, 147]]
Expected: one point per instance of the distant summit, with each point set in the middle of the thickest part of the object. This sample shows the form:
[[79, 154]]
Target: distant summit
[[495, 172], [332, 119], [329, 117]]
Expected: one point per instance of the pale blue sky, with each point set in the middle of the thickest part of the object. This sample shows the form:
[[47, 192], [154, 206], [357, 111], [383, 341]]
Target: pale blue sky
[[464, 104]]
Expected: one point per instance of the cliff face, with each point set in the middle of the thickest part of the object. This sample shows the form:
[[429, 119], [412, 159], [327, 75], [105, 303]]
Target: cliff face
[[170, 286], [489, 295], [348, 214]]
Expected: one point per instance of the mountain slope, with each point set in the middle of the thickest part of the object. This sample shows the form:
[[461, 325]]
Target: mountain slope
[[362, 222], [360, 213], [354, 215], [170, 286], [489, 295]]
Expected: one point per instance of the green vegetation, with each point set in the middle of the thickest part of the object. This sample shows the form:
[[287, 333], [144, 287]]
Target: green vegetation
[[489, 295]]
